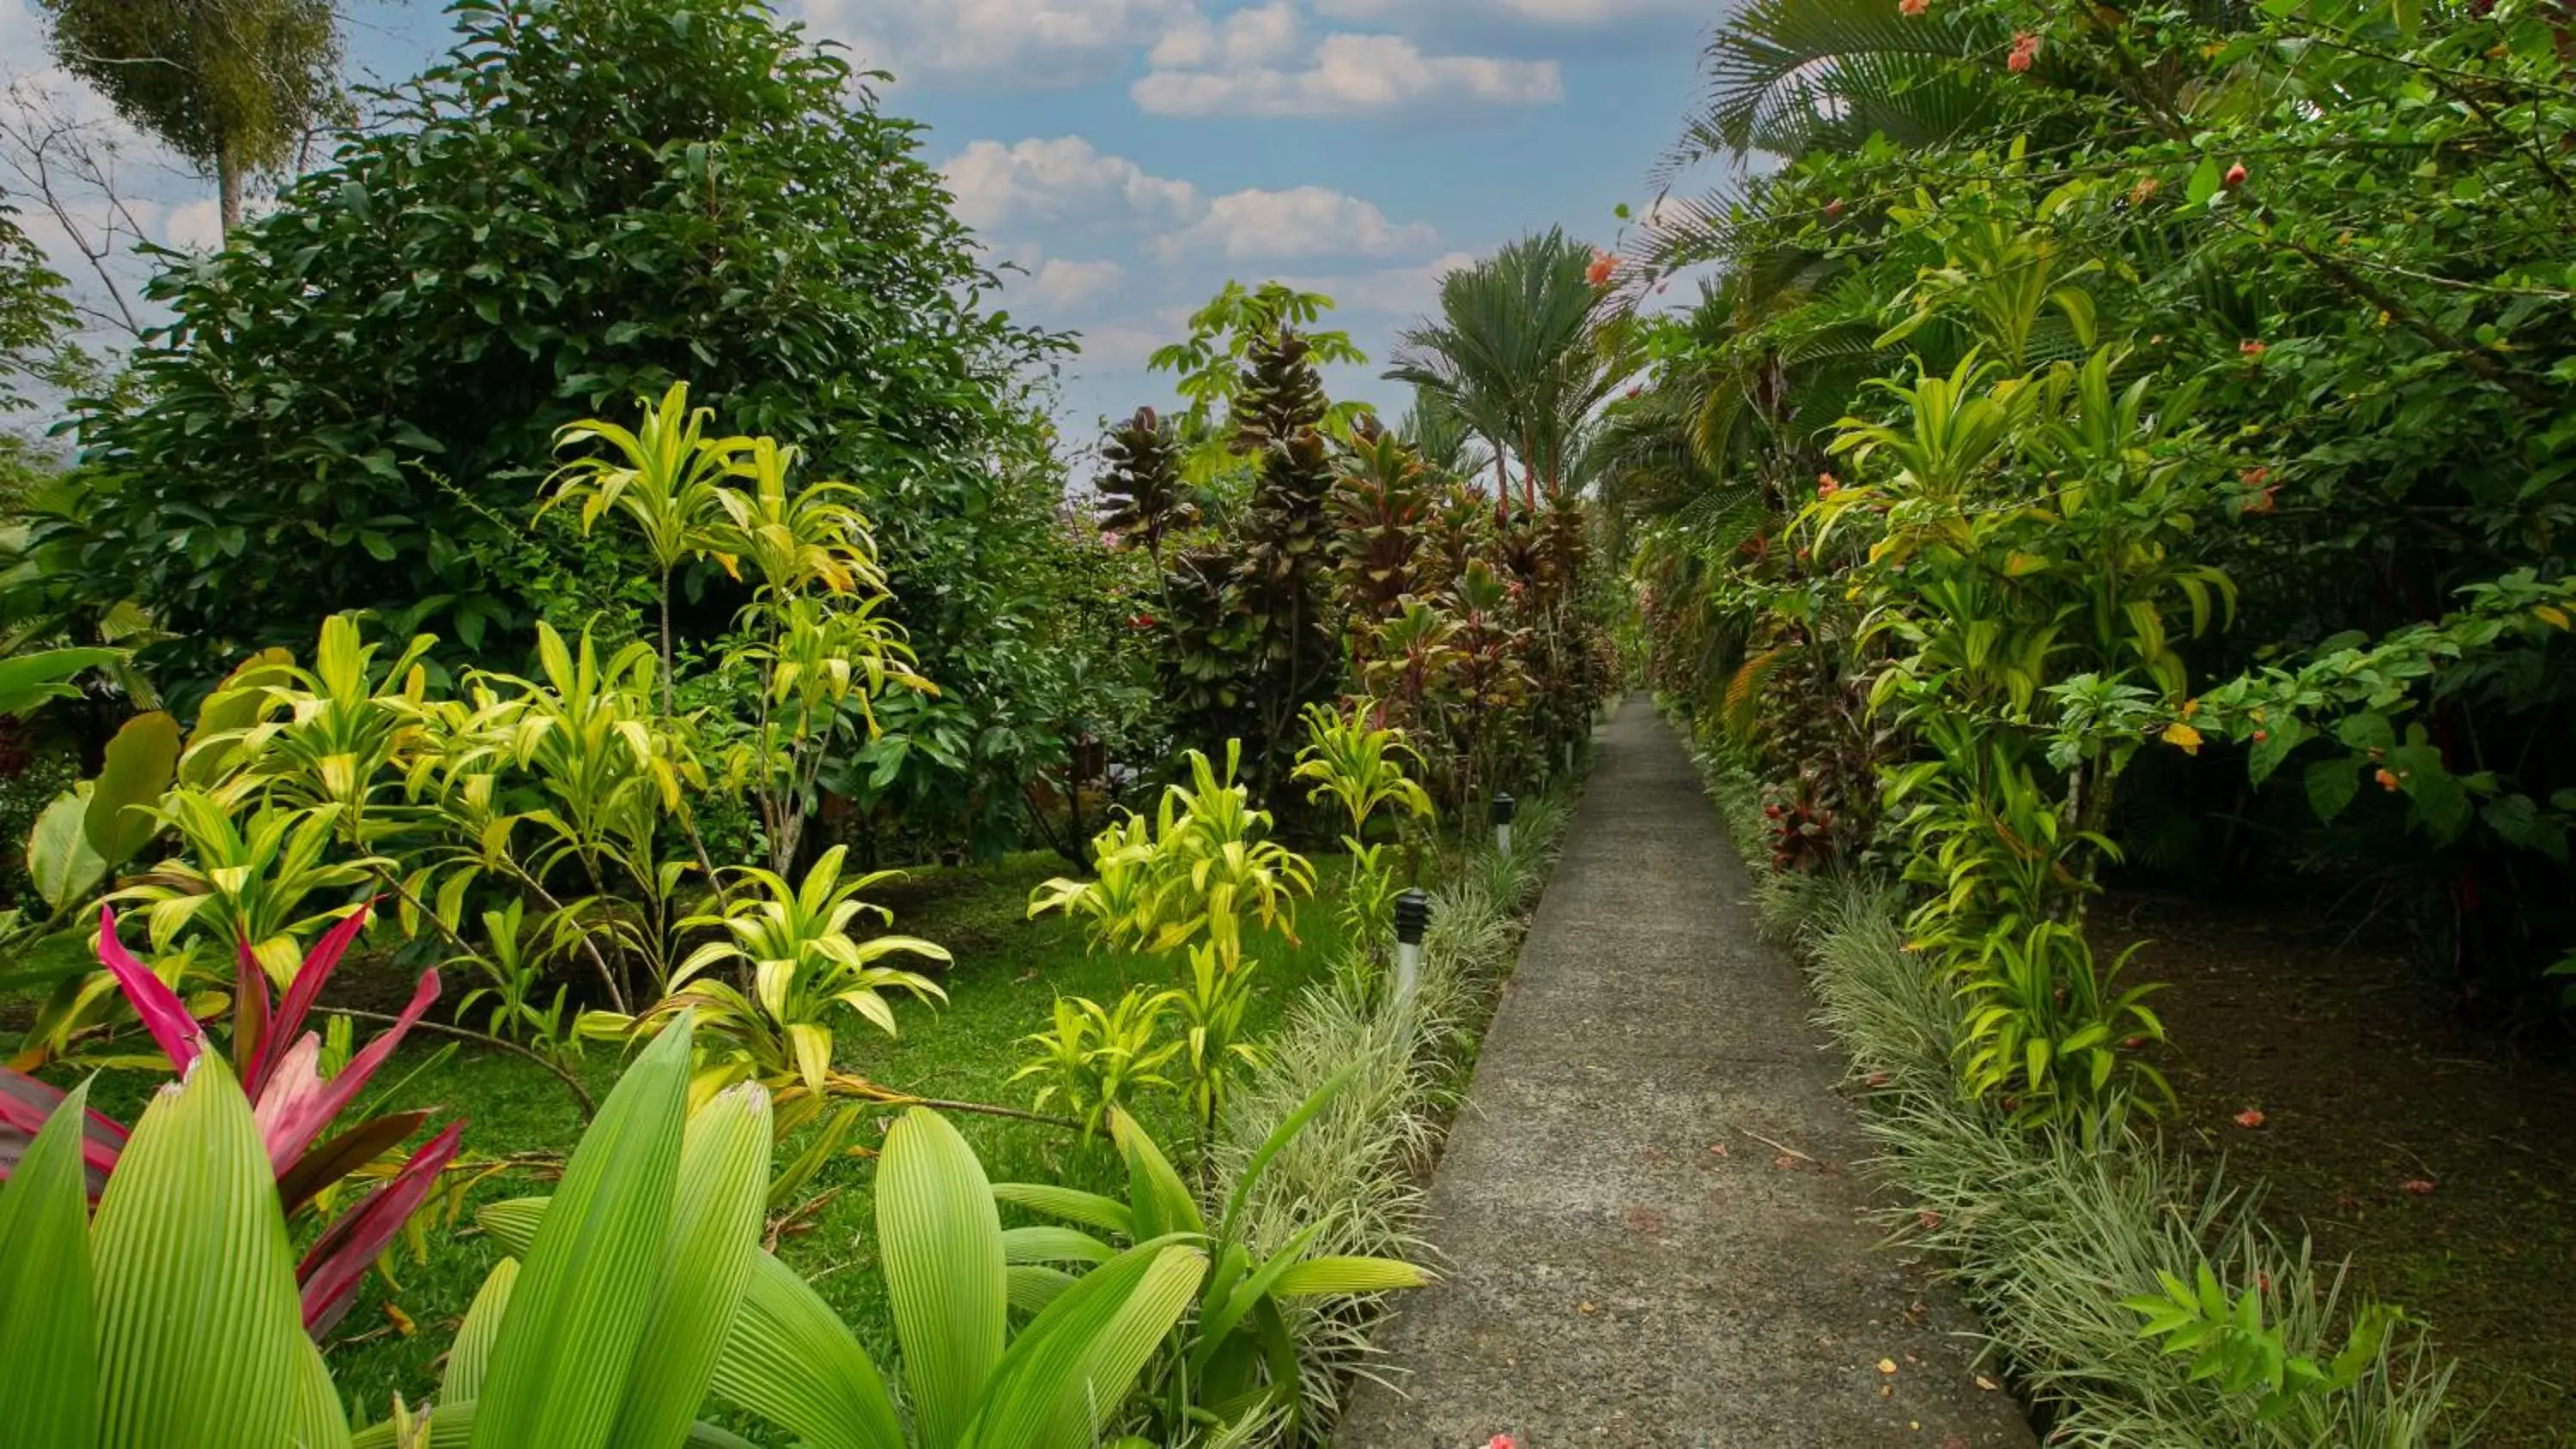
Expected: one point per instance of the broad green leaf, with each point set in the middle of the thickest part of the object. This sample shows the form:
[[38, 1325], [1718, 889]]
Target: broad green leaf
[[140, 763], [724, 1181], [1342, 1276], [201, 1341], [59, 858], [2331, 786], [940, 1239], [565, 1347], [1161, 1201], [2205, 179], [1034, 1286], [28, 680], [1048, 1244], [49, 1394]]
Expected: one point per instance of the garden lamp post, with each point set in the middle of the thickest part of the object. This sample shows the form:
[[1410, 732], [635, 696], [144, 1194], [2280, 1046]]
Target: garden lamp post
[[1504, 808], [1412, 918]]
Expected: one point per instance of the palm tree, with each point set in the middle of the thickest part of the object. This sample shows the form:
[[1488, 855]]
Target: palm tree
[[1518, 354]]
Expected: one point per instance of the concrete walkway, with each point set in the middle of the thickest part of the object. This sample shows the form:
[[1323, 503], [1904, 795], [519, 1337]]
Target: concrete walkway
[[1612, 1276]]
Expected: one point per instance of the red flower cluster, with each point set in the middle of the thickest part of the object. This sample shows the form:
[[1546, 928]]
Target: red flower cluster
[[2235, 176], [1604, 267], [2025, 50], [1912, 7], [1827, 485], [1140, 621], [2252, 347]]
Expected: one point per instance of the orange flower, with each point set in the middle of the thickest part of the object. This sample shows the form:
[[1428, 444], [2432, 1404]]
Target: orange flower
[[1834, 208], [2144, 191], [2249, 1118], [2024, 51], [2253, 347], [2235, 176], [1912, 7], [1827, 485], [1604, 267], [2417, 1186], [2387, 779]]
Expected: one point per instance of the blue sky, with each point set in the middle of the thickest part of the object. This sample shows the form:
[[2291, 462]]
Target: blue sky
[[1131, 155]]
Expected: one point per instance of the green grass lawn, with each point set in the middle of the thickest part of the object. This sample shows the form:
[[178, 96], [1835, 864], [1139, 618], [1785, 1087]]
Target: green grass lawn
[[1008, 971]]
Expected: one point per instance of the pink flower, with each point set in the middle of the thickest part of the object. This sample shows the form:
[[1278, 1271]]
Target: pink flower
[[2250, 1118], [1827, 485], [1604, 267], [1499, 1441], [1834, 207], [2025, 50], [2235, 176], [1912, 8]]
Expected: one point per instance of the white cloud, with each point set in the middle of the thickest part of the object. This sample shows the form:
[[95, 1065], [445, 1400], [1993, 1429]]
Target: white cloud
[[1030, 44], [1061, 181], [1350, 76], [1566, 14], [1305, 221], [1262, 35], [1060, 286], [1403, 293]]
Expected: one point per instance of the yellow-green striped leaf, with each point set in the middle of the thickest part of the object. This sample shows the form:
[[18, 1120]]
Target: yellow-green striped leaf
[[1340, 1276], [471, 1354], [792, 1362]]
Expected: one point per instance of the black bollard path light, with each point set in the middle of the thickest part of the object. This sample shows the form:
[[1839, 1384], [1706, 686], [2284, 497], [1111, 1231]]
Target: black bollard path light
[[1504, 808], [1412, 918]]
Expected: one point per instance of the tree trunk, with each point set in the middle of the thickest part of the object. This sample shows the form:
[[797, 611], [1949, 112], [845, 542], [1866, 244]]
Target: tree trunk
[[228, 189]]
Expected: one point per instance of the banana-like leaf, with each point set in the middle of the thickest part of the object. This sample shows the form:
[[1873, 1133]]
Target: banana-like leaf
[[1072, 1368], [471, 1354], [939, 1236], [59, 858], [28, 680], [49, 1395], [201, 1343], [560, 1361], [715, 1235]]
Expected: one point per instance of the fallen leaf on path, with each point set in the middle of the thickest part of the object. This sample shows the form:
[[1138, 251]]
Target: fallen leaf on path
[[1717, 1151], [1989, 1385], [1587, 1307], [2418, 1186], [1785, 1162], [1887, 1365], [1929, 1219], [2249, 1118]]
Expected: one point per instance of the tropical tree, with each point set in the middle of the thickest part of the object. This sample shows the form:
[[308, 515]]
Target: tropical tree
[[232, 85]]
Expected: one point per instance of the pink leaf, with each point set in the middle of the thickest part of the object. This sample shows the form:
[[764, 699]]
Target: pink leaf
[[319, 963], [25, 1104], [163, 1013], [337, 1264], [298, 1104]]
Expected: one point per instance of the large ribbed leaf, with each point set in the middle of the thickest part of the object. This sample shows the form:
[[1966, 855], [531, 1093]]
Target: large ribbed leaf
[[1048, 1244], [715, 1236], [451, 1426], [560, 1361], [201, 1343], [1071, 1204], [1339, 1277], [471, 1354], [1071, 1369], [1034, 1286], [940, 1239], [792, 1362], [49, 1391]]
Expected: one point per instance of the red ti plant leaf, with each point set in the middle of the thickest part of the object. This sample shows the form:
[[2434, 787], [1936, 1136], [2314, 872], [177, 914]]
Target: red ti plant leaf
[[295, 1103], [338, 1261], [343, 1155], [164, 1015], [319, 963], [26, 1103], [250, 1018]]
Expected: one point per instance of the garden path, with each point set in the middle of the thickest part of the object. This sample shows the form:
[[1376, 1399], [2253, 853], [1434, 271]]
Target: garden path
[[1651, 1229]]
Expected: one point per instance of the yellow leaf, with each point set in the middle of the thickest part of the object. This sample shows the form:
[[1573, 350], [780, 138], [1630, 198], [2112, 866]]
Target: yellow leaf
[[2184, 735], [2551, 615], [1887, 1365]]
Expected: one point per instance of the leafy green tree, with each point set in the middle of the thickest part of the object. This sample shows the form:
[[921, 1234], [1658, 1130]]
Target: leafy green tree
[[35, 324], [588, 200], [232, 85]]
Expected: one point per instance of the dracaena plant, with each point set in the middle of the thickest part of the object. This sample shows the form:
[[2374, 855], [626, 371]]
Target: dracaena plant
[[805, 964], [1236, 1360], [1098, 1058], [277, 1064], [1358, 763]]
